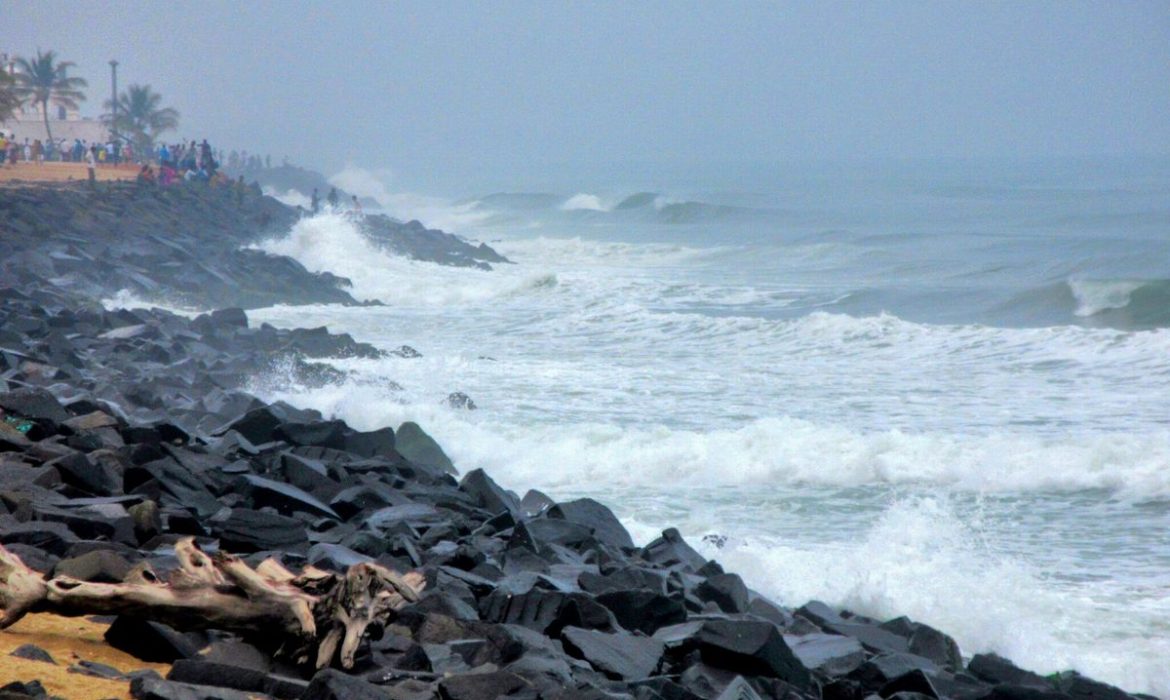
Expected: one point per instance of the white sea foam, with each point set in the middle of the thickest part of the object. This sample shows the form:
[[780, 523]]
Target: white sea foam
[[922, 560], [580, 252], [584, 201], [292, 198], [126, 299], [919, 559], [1095, 296], [612, 374], [331, 242], [433, 212]]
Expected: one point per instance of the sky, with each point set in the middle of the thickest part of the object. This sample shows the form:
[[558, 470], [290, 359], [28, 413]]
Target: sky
[[460, 86]]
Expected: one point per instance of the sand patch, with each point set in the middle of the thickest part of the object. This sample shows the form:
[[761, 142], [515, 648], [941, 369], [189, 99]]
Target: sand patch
[[68, 640]]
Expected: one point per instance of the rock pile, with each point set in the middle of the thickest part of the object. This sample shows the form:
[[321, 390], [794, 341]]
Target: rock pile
[[185, 244], [123, 432]]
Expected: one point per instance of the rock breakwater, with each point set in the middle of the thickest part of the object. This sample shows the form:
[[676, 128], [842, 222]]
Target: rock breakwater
[[184, 245], [123, 432]]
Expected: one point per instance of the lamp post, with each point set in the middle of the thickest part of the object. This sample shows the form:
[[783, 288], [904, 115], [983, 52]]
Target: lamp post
[[114, 108]]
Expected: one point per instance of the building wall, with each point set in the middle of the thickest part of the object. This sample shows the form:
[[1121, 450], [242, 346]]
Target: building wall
[[90, 130], [28, 124]]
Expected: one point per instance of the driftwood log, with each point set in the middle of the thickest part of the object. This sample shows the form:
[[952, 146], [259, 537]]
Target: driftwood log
[[309, 616]]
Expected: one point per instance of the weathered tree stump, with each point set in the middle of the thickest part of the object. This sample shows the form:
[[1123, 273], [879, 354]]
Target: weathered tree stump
[[306, 616]]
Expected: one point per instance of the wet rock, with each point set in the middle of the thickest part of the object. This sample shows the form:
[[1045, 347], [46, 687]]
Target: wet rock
[[329, 434], [33, 653], [643, 610], [335, 557], [938, 647], [871, 635], [598, 518], [418, 447], [99, 566], [618, 656], [376, 443], [672, 552], [488, 494], [993, 668], [728, 591], [828, 655], [915, 681], [406, 352], [460, 400], [18, 689], [34, 403], [535, 502], [879, 670], [150, 641], [97, 670], [98, 479], [546, 611], [220, 675], [147, 520], [246, 531], [285, 498], [156, 689], [1079, 687], [330, 684], [747, 646], [481, 686], [258, 426]]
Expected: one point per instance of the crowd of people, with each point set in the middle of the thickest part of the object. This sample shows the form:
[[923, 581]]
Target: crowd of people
[[186, 163], [13, 151]]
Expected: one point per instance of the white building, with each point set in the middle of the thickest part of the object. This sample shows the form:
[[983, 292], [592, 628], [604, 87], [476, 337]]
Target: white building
[[28, 122]]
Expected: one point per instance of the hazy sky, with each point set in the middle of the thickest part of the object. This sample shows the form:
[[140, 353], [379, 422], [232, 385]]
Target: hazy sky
[[461, 85]]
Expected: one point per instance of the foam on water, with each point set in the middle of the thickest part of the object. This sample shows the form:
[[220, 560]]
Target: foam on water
[[919, 558], [433, 212], [922, 560], [589, 202], [332, 242], [292, 198], [127, 299], [1095, 296], [773, 450], [693, 385]]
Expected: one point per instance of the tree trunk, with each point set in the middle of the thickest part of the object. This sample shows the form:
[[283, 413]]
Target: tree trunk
[[45, 114], [305, 617]]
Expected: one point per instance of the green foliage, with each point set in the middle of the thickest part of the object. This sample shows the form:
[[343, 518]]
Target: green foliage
[[140, 117], [9, 100], [44, 79]]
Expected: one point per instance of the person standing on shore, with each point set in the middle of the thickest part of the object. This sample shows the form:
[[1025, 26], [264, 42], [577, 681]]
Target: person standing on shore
[[91, 166], [332, 198], [315, 202]]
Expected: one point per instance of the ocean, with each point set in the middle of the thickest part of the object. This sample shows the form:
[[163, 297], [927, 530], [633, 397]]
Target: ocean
[[934, 389]]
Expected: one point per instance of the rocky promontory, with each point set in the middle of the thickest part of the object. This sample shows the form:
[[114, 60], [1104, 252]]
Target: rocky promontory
[[128, 436], [185, 245]]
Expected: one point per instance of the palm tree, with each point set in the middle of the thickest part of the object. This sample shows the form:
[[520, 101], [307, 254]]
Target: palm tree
[[140, 117], [9, 100], [44, 78]]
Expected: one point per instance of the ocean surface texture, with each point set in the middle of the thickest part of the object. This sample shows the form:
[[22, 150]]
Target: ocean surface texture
[[932, 389]]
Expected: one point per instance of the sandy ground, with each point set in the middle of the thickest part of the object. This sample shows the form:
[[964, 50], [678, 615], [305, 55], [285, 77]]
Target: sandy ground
[[63, 172], [68, 640]]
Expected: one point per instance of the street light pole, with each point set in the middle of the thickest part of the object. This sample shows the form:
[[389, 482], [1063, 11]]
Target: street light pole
[[114, 108]]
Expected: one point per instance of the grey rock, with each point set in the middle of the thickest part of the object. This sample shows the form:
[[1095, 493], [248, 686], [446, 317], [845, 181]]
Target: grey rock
[[33, 653], [618, 656]]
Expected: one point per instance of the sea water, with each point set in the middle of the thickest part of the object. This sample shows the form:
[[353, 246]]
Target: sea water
[[939, 390]]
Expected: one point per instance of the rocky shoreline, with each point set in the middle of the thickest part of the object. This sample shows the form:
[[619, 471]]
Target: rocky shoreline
[[124, 431]]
